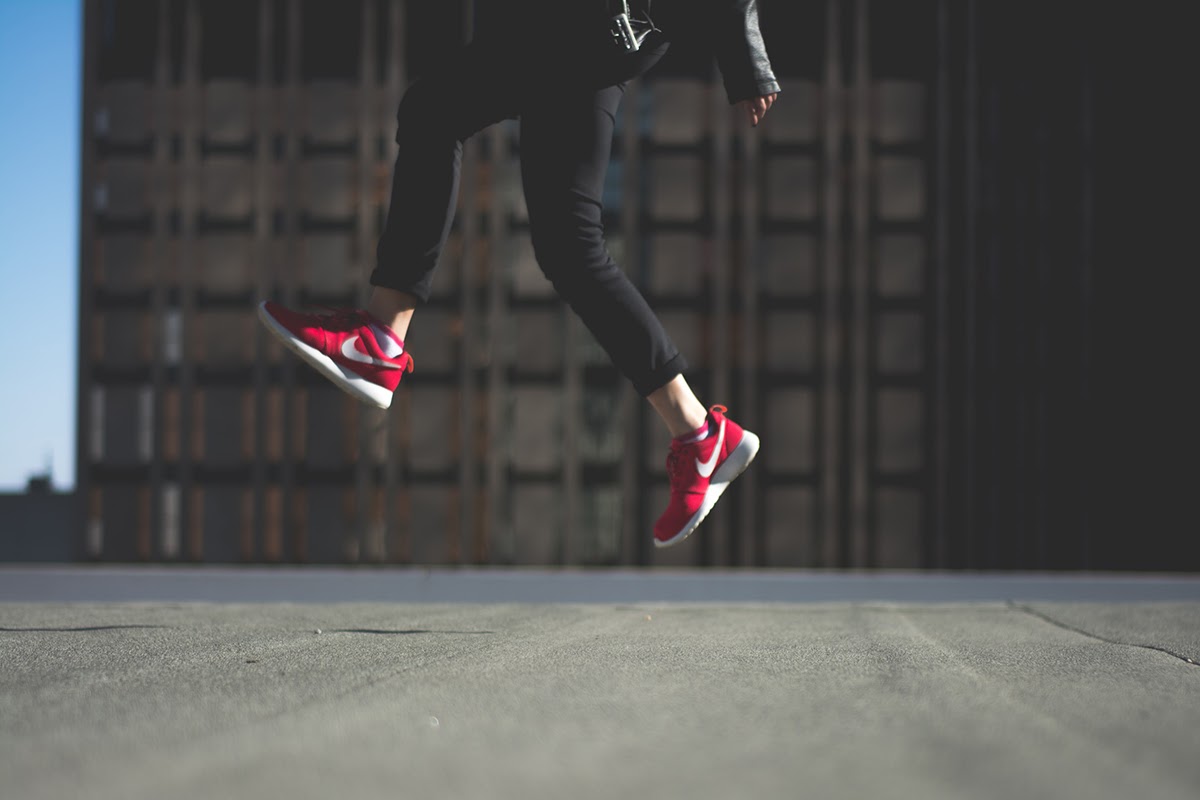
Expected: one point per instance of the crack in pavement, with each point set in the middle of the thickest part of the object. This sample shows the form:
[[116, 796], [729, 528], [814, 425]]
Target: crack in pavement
[[1058, 624], [78, 629]]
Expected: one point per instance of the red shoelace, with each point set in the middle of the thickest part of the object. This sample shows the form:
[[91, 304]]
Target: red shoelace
[[342, 319], [675, 471]]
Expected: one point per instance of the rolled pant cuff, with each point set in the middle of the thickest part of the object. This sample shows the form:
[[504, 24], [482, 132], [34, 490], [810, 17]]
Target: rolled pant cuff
[[381, 279], [648, 384]]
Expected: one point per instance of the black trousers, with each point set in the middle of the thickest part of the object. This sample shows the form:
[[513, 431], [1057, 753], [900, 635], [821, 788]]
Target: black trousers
[[566, 96]]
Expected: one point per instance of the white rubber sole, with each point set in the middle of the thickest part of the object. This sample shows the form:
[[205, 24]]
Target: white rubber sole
[[735, 464], [349, 382]]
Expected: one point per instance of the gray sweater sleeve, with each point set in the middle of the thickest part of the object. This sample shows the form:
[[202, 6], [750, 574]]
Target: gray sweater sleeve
[[741, 53]]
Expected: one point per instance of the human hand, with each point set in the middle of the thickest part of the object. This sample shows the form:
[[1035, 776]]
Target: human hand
[[757, 107]]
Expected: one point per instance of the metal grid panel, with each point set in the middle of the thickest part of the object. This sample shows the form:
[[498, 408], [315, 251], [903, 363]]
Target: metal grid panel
[[818, 274]]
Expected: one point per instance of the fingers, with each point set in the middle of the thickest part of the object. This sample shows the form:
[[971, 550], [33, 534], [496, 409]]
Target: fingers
[[751, 111], [762, 104], [756, 108]]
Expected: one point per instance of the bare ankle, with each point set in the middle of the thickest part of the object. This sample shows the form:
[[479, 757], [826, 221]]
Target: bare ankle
[[678, 407], [393, 308]]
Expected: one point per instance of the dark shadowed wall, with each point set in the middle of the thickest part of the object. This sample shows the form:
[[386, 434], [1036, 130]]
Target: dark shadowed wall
[[918, 281]]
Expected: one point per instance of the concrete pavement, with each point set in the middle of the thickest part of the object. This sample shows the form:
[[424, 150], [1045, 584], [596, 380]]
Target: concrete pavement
[[368, 584], [954, 699]]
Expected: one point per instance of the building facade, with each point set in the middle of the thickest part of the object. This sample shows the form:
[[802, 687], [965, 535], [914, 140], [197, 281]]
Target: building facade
[[842, 278]]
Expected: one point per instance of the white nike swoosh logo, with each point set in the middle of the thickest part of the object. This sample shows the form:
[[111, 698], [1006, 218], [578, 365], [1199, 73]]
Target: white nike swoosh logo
[[354, 354], [706, 469]]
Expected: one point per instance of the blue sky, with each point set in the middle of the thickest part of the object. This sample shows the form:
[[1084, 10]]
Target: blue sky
[[39, 176]]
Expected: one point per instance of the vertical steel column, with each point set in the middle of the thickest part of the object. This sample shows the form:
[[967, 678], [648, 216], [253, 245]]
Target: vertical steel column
[[497, 524], [262, 259], [940, 496], [1017, 319], [633, 547], [716, 536], [1087, 155], [572, 409], [398, 419], [371, 422], [292, 406], [189, 177], [830, 335], [970, 282], [1040, 401], [858, 492], [749, 545], [991, 261], [160, 169], [468, 214]]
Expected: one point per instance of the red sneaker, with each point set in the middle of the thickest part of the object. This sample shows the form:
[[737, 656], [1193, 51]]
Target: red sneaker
[[700, 472], [350, 347]]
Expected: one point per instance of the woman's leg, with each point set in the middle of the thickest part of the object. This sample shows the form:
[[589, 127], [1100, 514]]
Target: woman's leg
[[564, 158], [476, 87], [363, 352]]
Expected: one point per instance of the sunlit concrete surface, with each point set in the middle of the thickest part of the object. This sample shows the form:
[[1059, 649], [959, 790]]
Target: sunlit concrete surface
[[803, 691], [470, 585]]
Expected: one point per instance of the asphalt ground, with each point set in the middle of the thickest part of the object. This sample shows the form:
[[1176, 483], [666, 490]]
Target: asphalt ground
[[116, 685]]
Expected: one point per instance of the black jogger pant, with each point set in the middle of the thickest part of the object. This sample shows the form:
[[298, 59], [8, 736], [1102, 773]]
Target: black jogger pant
[[566, 99]]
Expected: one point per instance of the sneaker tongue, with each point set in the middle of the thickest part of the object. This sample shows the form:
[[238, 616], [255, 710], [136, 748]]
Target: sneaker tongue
[[341, 319], [391, 344]]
